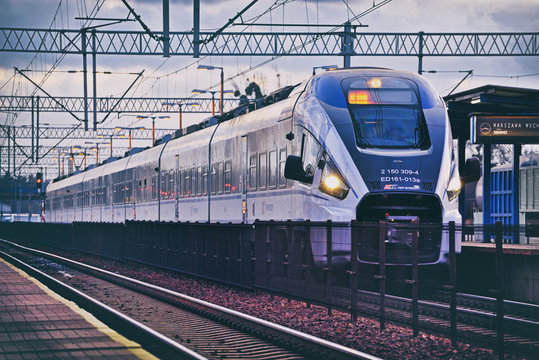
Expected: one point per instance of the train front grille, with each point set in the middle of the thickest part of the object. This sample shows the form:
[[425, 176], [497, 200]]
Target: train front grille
[[393, 218]]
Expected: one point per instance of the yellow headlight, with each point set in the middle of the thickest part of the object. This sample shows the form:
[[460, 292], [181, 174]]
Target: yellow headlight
[[332, 182], [453, 188]]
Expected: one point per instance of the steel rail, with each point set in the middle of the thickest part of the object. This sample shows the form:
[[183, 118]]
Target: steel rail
[[313, 345], [148, 338]]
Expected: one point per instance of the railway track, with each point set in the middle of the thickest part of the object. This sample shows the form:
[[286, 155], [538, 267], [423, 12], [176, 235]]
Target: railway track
[[175, 325], [476, 317]]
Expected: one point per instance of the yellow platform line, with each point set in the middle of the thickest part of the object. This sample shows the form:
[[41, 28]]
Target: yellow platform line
[[132, 346]]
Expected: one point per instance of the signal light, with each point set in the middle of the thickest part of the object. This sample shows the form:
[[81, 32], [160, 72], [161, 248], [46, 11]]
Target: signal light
[[39, 180]]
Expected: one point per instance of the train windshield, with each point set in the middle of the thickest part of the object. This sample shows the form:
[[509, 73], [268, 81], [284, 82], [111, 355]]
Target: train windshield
[[386, 113]]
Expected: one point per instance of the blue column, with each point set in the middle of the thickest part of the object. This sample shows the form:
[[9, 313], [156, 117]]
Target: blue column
[[516, 191], [487, 156]]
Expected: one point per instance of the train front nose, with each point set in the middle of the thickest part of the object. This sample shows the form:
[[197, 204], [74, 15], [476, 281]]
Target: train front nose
[[394, 218], [399, 230]]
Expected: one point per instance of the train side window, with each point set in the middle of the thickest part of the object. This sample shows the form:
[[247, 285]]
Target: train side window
[[171, 190], [214, 175], [199, 185], [144, 191], [114, 191], [272, 169], [252, 173], [154, 187], [205, 180], [163, 187], [262, 175], [282, 162], [194, 182], [221, 178], [129, 186], [228, 177], [181, 185], [187, 183]]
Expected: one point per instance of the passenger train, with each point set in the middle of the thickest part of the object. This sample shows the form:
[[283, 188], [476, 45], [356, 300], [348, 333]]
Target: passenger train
[[369, 144]]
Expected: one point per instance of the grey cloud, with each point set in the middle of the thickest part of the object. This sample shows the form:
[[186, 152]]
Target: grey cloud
[[518, 18]]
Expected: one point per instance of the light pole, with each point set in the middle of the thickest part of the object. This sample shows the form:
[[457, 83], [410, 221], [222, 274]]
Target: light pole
[[211, 67], [140, 117], [167, 104], [325, 67], [199, 91], [59, 158], [107, 143], [97, 153], [110, 146], [93, 146]]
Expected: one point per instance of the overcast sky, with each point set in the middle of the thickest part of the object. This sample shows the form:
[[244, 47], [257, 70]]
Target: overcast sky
[[396, 16]]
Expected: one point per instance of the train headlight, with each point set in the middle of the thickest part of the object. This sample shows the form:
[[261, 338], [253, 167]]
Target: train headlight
[[332, 182], [454, 186]]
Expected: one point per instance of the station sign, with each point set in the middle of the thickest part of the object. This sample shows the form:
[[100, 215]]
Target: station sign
[[491, 129]]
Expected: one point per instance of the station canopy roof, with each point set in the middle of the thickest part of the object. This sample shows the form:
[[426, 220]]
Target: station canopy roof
[[488, 99]]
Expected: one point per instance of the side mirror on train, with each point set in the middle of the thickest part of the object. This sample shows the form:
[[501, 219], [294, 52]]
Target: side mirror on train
[[293, 170], [471, 171]]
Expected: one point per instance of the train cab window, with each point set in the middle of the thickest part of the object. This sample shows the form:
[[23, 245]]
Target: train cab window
[[228, 177], [272, 169], [386, 113], [282, 162], [252, 173], [262, 175], [199, 183], [205, 180]]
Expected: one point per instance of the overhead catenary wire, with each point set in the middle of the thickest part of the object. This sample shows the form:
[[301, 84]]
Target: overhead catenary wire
[[94, 11], [276, 4]]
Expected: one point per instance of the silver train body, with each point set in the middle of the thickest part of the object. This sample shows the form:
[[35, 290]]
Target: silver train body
[[332, 133]]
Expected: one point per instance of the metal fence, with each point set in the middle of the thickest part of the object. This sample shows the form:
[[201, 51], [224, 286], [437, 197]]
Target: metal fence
[[346, 266]]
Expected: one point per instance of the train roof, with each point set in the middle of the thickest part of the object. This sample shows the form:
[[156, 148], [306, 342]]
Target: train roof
[[110, 166], [341, 74]]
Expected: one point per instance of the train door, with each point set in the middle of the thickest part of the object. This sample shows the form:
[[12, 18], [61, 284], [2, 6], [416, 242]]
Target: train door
[[177, 190], [243, 178]]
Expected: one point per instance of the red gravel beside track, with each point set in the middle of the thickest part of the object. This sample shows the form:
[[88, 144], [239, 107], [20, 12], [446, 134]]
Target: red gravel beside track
[[395, 342]]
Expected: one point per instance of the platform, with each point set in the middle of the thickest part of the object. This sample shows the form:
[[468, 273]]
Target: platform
[[476, 270], [36, 323], [514, 249]]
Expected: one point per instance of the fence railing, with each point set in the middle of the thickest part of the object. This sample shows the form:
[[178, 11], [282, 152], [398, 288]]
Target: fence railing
[[350, 266]]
